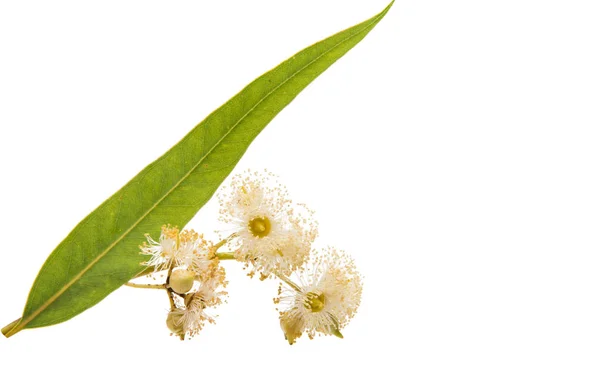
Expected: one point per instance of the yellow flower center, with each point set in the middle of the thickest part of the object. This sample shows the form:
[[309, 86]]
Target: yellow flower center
[[315, 302], [260, 227]]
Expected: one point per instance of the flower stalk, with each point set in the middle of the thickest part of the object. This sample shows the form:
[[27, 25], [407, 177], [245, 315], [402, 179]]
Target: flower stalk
[[149, 286]]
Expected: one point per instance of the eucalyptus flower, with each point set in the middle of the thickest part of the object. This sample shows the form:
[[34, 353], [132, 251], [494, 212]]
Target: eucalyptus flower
[[180, 249], [190, 313], [165, 253], [268, 231], [324, 300]]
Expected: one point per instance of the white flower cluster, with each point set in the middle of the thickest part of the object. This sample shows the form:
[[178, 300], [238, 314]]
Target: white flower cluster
[[275, 237], [320, 290], [195, 280]]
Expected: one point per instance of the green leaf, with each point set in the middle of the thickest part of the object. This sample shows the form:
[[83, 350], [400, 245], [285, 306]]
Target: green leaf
[[102, 252]]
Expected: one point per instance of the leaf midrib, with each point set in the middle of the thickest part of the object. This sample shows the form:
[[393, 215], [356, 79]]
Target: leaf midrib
[[51, 300]]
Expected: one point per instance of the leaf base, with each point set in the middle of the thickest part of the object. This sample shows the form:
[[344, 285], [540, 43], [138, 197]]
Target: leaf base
[[7, 330]]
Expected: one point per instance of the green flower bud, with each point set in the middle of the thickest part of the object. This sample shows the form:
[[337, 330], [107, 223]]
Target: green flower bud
[[175, 322], [181, 281], [292, 328]]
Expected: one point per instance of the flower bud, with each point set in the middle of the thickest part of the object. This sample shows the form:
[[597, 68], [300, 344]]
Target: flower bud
[[181, 281], [292, 328], [175, 322]]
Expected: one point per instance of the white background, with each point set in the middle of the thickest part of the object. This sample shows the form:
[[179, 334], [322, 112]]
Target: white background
[[454, 153]]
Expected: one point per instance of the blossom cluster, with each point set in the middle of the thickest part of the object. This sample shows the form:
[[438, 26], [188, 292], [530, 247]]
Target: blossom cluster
[[195, 279], [319, 290]]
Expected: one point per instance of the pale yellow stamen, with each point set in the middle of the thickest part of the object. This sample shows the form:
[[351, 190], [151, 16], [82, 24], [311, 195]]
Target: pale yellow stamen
[[170, 232]]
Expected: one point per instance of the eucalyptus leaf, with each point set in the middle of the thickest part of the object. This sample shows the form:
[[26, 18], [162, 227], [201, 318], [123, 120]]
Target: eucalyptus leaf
[[102, 252]]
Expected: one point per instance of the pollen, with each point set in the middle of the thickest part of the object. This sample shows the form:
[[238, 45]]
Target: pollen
[[170, 232]]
